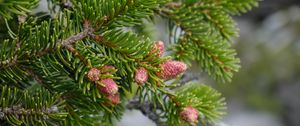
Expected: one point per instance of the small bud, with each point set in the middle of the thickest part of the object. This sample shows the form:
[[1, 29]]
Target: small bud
[[190, 115], [141, 76], [109, 86], [158, 46], [107, 68], [93, 74], [171, 69], [114, 99]]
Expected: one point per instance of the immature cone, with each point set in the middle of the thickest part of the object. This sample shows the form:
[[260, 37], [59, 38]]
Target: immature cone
[[109, 86], [114, 99], [171, 69], [93, 74], [107, 68], [190, 115], [141, 76], [158, 46]]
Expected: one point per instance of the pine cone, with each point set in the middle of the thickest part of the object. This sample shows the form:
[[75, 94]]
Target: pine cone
[[108, 87], [114, 99], [141, 76], [93, 74], [190, 115], [158, 46], [171, 69]]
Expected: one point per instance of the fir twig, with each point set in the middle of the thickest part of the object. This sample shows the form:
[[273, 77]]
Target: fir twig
[[73, 39], [19, 111], [101, 40], [67, 43]]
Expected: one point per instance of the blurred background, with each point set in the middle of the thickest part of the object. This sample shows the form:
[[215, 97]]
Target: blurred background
[[266, 90]]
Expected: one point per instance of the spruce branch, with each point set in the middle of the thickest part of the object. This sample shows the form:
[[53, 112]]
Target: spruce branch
[[59, 51], [18, 111], [79, 36], [208, 36], [39, 105], [9, 62], [69, 42], [101, 40]]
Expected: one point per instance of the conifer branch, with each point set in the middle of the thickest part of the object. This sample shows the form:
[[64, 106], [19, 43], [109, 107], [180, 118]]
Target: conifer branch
[[18, 111], [79, 36], [59, 51], [11, 61], [67, 43], [101, 40]]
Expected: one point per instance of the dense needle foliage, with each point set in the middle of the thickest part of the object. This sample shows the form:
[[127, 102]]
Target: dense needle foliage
[[46, 58]]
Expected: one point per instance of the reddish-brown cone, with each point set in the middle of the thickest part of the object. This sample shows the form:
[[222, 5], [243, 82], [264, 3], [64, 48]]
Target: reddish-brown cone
[[158, 46], [171, 69], [190, 115], [109, 86], [141, 76], [93, 74], [114, 99]]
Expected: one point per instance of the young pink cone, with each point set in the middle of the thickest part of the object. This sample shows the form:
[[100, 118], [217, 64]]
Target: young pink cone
[[158, 46], [93, 74], [114, 99], [109, 86], [141, 76], [171, 69], [190, 115]]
